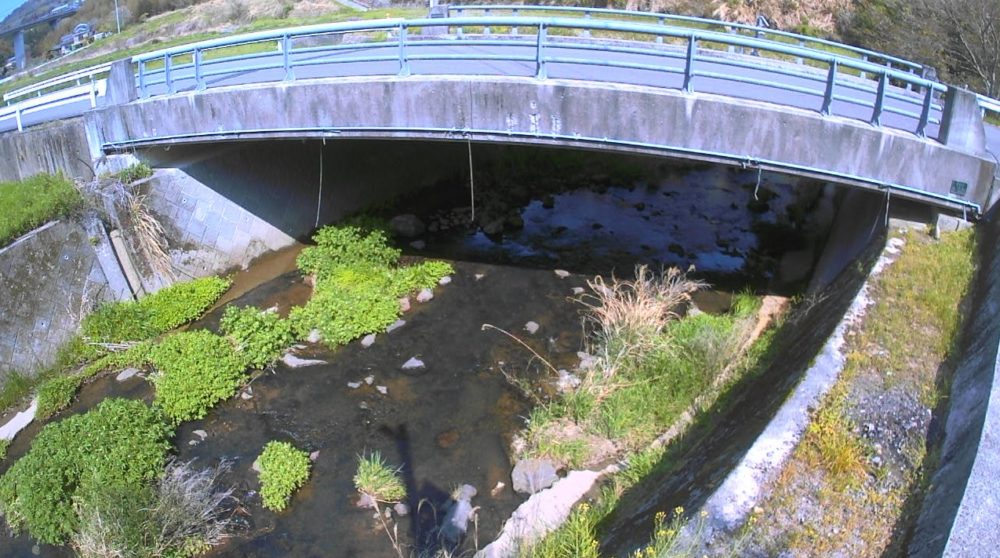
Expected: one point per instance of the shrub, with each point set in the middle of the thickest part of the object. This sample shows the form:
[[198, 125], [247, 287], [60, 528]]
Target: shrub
[[182, 515], [120, 443], [194, 371], [135, 172], [345, 314], [377, 480], [346, 246], [30, 203], [424, 275], [156, 314], [260, 337], [4, 444], [283, 470]]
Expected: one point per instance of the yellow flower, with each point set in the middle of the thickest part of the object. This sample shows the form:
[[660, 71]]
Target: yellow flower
[[679, 510], [703, 514]]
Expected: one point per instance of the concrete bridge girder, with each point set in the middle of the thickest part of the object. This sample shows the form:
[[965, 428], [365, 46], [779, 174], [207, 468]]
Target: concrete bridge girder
[[578, 114]]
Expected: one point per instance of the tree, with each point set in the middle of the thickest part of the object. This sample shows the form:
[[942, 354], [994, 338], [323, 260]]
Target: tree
[[970, 31]]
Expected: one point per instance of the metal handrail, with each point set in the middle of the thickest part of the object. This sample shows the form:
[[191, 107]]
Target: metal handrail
[[70, 80], [758, 32], [834, 79]]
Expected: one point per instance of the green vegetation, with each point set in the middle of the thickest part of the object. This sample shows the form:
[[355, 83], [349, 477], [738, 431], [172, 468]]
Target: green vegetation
[[283, 470], [259, 336], [357, 284], [194, 371], [377, 480], [120, 444], [169, 308], [30, 203], [134, 172], [4, 444], [649, 365]]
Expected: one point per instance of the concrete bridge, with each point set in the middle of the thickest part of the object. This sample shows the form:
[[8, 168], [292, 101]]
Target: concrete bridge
[[585, 82], [52, 18]]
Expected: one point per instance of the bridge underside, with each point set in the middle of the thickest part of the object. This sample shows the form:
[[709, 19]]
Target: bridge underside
[[561, 113]]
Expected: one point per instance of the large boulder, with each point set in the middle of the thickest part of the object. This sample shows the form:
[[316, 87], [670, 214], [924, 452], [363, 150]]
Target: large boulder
[[533, 475], [407, 225]]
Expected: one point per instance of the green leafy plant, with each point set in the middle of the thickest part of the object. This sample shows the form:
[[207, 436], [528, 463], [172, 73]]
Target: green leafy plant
[[346, 246], [30, 203], [120, 443], [56, 394], [283, 470], [260, 336], [156, 314], [194, 371], [4, 444], [377, 480]]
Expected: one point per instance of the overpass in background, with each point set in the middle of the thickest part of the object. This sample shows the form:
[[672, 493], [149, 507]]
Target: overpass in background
[[52, 18], [727, 94]]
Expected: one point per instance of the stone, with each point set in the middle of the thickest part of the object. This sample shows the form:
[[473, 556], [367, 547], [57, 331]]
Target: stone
[[193, 442], [293, 361], [444, 280], [401, 509], [246, 396], [533, 475], [493, 227], [578, 290], [404, 304], [414, 364], [314, 456], [256, 465], [456, 521], [425, 295], [382, 389], [354, 385], [407, 225], [561, 273], [498, 489], [479, 276], [366, 502], [447, 438], [531, 327], [201, 434], [395, 325], [126, 374], [418, 245], [363, 406], [566, 382], [19, 422], [314, 336], [368, 340], [369, 380]]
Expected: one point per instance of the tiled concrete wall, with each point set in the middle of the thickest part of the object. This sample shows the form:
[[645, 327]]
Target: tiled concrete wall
[[49, 279]]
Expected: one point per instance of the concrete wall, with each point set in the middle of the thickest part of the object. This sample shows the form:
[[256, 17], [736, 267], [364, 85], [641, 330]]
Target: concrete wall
[[50, 279], [513, 110], [960, 510], [59, 147]]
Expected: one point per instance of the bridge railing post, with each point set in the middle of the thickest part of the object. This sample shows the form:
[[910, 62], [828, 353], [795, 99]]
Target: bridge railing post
[[199, 81], [404, 63], [17, 117], [880, 100], [143, 93], [661, 21], [167, 62], [286, 57], [831, 81], [486, 30], [93, 94], [925, 112], [689, 64], [513, 29], [540, 71]]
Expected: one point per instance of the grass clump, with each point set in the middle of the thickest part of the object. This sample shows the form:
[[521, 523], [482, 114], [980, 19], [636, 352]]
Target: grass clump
[[120, 444], [4, 444], [357, 284], [156, 314], [259, 336], [283, 470], [194, 371], [30, 203], [182, 514], [133, 173], [377, 480], [56, 394]]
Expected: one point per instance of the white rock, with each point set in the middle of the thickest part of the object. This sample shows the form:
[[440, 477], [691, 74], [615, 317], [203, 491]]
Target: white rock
[[354, 385], [395, 325], [366, 502], [383, 390], [201, 434], [193, 442], [314, 336], [531, 327], [497, 489], [480, 276], [413, 364], [314, 455], [256, 465], [418, 244], [404, 304], [368, 340], [19, 422], [562, 273], [401, 509], [126, 374], [444, 280], [578, 290], [293, 361], [246, 396], [425, 295], [369, 380]]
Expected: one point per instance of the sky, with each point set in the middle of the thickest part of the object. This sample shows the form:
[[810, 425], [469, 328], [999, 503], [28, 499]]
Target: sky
[[7, 6]]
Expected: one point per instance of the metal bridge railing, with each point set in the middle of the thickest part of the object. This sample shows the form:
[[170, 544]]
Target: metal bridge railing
[[679, 57], [804, 41]]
